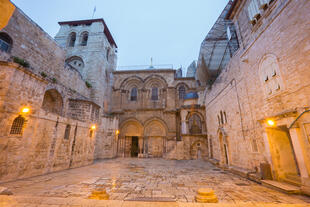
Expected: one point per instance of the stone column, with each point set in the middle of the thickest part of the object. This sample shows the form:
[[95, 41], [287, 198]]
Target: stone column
[[298, 152], [305, 180], [267, 148], [140, 147], [183, 122]]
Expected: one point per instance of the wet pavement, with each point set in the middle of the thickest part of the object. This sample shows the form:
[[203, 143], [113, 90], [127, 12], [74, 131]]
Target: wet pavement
[[150, 180]]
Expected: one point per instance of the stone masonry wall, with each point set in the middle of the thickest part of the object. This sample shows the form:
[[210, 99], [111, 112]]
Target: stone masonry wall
[[284, 33]]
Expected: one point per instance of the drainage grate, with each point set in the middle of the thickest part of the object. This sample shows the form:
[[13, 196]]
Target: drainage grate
[[152, 199]]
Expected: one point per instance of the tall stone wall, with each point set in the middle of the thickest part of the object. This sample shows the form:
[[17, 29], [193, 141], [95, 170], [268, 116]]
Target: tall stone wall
[[241, 90], [56, 133]]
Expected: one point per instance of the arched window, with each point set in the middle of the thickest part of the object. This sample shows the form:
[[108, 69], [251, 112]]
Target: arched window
[[270, 75], [84, 38], [67, 131], [18, 125], [182, 92], [72, 38], [75, 62], [222, 119], [154, 94], [52, 102], [133, 94], [108, 53], [195, 124], [6, 42]]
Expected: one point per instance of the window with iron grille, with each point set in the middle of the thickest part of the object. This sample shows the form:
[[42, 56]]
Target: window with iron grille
[[154, 94], [17, 126], [182, 92], [5, 42], [67, 131]]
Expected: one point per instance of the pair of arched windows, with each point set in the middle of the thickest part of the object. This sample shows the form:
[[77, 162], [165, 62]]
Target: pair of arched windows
[[6, 42], [134, 94], [222, 118], [270, 75], [83, 39]]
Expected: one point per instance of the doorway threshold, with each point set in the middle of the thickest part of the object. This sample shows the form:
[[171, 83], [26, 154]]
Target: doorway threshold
[[281, 186]]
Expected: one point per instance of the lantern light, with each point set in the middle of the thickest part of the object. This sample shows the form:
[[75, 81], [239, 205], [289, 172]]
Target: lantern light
[[271, 122], [25, 110], [117, 132], [93, 127]]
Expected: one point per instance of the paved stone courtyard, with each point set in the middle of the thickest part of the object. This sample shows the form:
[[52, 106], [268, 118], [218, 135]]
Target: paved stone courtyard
[[149, 179]]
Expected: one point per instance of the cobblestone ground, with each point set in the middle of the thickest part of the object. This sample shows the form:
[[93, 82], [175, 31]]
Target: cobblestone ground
[[158, 179]]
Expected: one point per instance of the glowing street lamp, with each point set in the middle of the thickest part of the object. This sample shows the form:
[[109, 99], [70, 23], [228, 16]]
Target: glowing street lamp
[[271, 122], [117, 132], [93, 127], [25, 110]]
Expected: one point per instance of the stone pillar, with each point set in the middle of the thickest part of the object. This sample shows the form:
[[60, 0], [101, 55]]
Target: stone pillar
[[145, 148], [298, 152], [183, 122], [140, 147], [267, 148], [305, 180]]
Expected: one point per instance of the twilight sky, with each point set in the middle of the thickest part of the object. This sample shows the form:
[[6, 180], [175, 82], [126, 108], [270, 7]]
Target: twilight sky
[[170, 31]]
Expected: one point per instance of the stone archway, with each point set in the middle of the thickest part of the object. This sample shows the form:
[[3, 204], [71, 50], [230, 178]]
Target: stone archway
[[129, 143], [283, 155], [224, 147], [155, 133], [199, 150]]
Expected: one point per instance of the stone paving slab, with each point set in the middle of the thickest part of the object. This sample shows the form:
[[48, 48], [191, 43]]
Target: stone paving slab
[[24, 201], [127, 179]]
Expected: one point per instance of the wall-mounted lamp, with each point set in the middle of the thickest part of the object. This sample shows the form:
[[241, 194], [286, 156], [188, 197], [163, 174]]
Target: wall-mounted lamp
[[117, 132], [271, 122], [25, 110], [93, 127]]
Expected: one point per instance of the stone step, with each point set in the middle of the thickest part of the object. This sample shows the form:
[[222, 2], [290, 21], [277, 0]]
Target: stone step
[[292, 179], [281, 186]]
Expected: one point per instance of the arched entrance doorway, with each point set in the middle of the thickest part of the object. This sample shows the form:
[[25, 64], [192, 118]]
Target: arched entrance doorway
[[155, 138], [130, 143], [224, 147], [283, 156]]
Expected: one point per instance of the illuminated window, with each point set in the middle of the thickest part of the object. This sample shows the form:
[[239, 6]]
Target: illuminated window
[[17, 126]]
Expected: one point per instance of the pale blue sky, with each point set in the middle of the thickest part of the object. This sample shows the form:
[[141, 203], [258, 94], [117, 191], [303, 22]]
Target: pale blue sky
[[170, 31]]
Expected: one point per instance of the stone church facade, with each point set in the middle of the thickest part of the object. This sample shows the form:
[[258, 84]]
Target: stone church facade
[[159, 115]]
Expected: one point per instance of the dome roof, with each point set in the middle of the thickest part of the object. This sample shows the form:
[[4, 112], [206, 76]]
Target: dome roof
[[191, 95]]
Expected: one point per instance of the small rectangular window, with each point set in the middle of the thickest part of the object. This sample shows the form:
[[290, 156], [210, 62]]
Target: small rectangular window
[[154, 94]]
